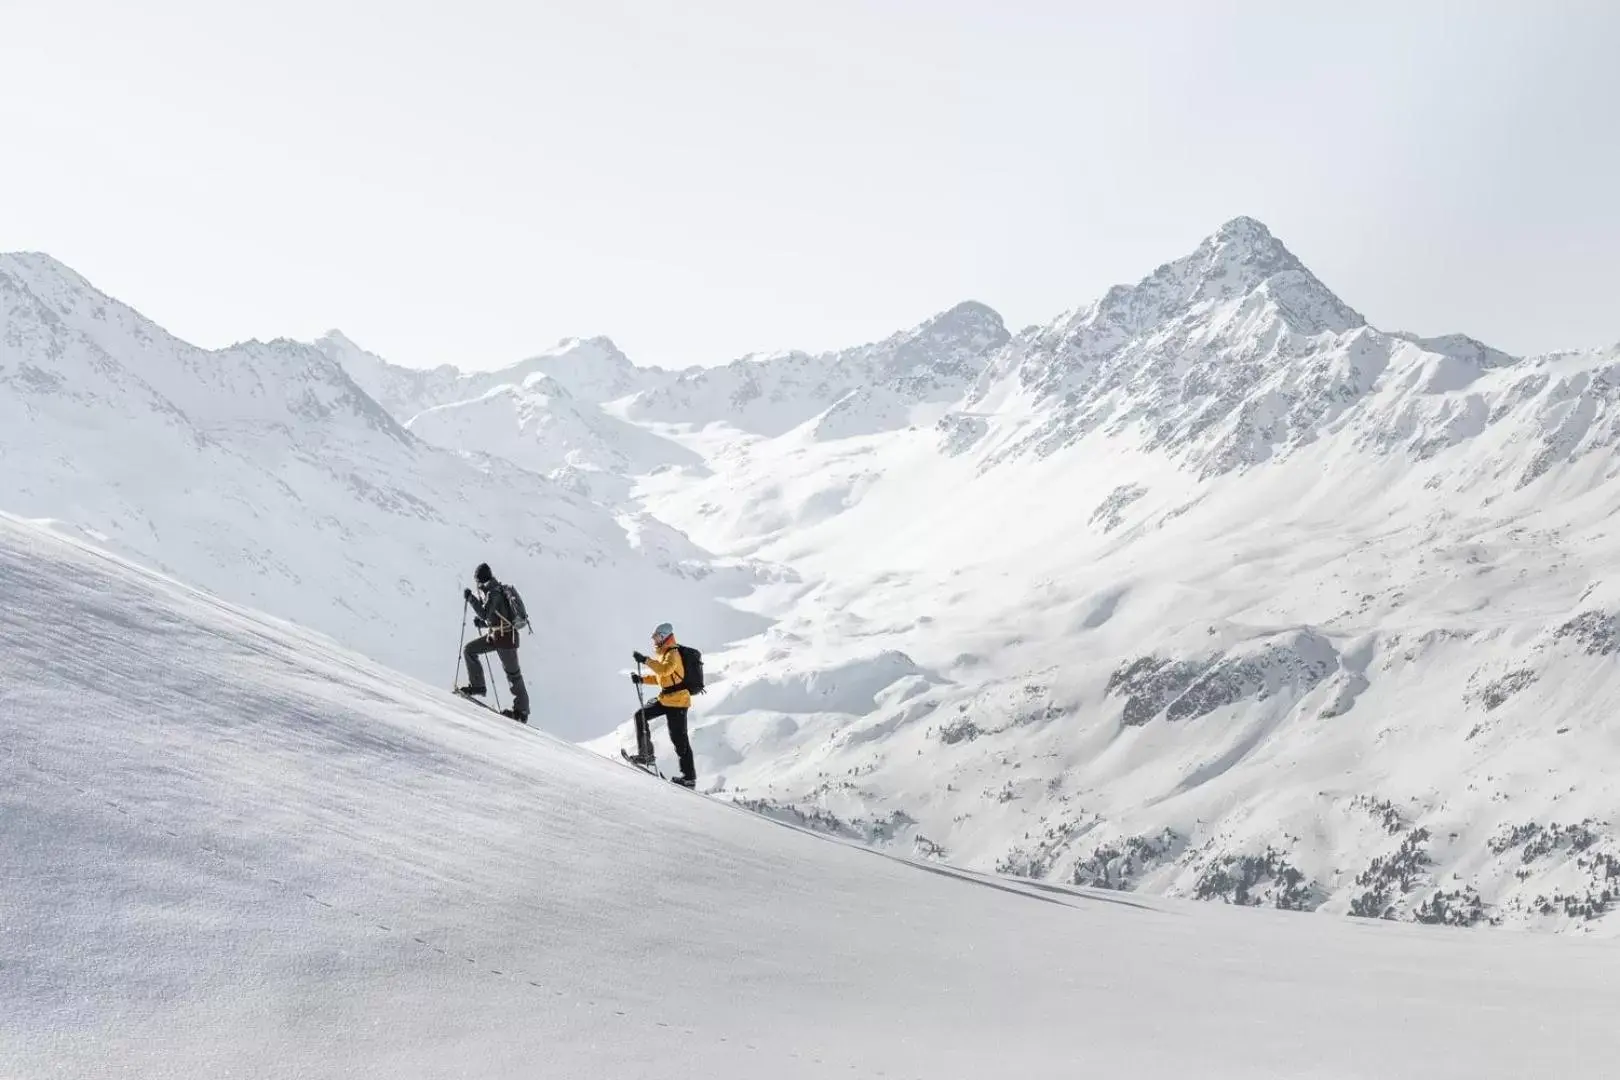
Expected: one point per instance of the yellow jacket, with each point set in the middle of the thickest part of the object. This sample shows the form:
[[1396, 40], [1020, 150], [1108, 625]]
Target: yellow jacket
[[667, 670]]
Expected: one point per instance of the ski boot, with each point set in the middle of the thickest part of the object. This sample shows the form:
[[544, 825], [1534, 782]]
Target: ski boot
[[513, 714]]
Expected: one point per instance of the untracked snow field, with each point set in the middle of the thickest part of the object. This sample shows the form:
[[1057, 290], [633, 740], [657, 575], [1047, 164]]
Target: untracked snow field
[[229, 847]]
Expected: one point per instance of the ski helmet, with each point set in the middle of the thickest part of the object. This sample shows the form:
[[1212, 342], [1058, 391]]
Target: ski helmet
[[663, 633], [482, 574]]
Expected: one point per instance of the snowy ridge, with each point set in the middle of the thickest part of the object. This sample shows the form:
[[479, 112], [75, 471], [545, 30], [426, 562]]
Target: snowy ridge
[[540, 426], [64, 338], [1230, 354], [868, 388], [592, 370], [283, 860]]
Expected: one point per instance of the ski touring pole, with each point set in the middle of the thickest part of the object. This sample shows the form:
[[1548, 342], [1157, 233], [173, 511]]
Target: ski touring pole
[[461, 639], [497, 690], [644, 759], [644, 746]]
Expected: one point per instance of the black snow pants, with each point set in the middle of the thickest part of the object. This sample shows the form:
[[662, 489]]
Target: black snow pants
[[504, 646], [677, 734]]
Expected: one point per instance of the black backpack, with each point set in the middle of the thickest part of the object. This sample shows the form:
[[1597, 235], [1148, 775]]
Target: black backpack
[[692, 665], [520, 614]]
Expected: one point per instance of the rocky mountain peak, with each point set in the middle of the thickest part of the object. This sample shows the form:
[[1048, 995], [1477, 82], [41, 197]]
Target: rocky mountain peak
[[968, 318]]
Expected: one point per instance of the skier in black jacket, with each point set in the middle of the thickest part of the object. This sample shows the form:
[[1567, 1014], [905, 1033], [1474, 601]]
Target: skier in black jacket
[[493, 614]]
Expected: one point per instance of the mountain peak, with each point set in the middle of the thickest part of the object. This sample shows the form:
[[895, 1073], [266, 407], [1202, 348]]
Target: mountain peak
[[52, 280], [1461, 347], [1247, 246], [600, 343], [340, 339], [971, 311], [37, 262], [969, 318], [589, 353], [1244, 227], [346, 352], [1240, 258]]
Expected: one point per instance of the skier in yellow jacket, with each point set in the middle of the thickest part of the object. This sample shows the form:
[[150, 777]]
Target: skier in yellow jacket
[[668, 673]]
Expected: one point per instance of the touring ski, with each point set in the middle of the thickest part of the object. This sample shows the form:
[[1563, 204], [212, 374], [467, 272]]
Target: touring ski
[[650, 770], [485, 705]]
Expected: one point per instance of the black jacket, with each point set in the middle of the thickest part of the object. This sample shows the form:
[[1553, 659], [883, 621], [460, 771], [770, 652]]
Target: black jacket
[[495, 610]]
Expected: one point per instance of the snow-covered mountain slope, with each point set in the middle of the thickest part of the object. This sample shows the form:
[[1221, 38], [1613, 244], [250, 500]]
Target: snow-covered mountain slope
[[281, 859], [1208, 590], [591, 370], [862, 390], [540, 426], [543, 414], [562, 410], [264, 473], [1227, 354]]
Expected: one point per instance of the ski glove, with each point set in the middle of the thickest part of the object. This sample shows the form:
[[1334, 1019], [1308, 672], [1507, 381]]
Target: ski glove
[[466, 594], [635, 678], [640, 658], [480, 622]]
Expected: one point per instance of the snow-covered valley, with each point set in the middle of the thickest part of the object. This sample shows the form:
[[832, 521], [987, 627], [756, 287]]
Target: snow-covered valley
[[1205, 589]]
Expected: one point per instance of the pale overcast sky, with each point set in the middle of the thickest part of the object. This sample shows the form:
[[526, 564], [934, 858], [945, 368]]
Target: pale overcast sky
[[470, 181]]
